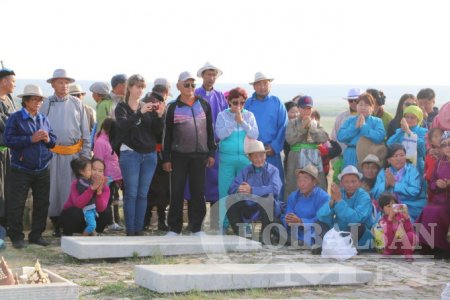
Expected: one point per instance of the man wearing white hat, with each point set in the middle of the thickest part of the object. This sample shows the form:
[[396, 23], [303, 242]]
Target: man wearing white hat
[[188, 146], [260, 179], [70, 124], [30, 137], [209, 73], [7, 107], [352, 96], [271, 117], [349, 206], [76, 91]]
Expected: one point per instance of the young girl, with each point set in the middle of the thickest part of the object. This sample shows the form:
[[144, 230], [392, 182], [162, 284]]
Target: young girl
[[396, 226], [434, 138], [104, 152], [89, 195]]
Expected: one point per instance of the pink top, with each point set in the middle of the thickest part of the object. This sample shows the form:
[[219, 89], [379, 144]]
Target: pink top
[[80, 201], [103, 151], [391, 229]]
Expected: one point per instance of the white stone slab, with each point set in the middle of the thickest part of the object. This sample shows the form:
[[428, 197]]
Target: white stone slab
[[121, 246], [58, 289], [216, 277]]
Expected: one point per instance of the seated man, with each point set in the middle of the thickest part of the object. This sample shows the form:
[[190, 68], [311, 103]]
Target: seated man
[[349, 206], [259, 182], [303, 204]]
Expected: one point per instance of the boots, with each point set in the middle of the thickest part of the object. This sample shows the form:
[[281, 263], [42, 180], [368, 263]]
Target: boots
[[56, 226], [162, 219]]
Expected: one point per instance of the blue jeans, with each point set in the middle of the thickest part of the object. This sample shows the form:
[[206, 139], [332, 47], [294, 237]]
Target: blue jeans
[[89, 217], [137, 172]]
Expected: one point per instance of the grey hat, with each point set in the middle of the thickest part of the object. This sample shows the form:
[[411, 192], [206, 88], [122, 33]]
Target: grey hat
[[117, 79], [60, 73], [185, 76], [101, 88]]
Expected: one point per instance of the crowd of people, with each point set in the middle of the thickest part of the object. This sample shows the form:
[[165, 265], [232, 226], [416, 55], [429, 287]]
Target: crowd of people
[[391, 173]]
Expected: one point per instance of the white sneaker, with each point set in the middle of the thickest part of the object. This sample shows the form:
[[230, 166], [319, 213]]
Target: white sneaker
[[115, 227], [171, 233], [199, 233]]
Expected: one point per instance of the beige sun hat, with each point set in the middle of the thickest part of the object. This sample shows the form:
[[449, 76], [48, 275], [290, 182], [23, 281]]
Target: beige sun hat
[[208, 66], [254, 146], [31, 90], [372, 158], [60, 73], [261, 76], [75, 89], [309, 169]]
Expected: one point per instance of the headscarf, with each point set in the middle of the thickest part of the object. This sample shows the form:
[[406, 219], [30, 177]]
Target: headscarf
[[415, 110]]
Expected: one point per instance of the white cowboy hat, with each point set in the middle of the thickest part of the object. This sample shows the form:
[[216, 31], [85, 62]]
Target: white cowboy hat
[[350, 170], [260, 76], [254, 146], [60, 73], [309, 169], [75, 89], [208, 66], [353, 94], [31, 90]]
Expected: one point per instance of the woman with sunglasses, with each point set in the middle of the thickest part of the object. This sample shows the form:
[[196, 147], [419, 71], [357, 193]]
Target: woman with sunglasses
[[233, 125], [405, 101], [438, 211]]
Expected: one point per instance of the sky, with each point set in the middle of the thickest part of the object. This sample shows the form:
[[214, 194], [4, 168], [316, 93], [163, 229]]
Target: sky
[[296, 42]]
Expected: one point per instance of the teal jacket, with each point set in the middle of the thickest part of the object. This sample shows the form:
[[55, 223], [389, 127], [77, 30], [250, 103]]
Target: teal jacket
[[354, 210], [409, 189]]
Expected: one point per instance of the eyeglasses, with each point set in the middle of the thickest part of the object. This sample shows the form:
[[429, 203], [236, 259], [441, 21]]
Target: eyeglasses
[[445, 145], [189, 85], [406, 104], [236, 103]]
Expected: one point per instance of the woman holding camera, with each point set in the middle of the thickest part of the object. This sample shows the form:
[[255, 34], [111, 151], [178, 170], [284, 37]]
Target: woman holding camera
[[137, 126]]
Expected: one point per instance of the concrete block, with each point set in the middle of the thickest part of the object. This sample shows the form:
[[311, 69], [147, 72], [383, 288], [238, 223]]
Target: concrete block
[[120, 246], [217, 277], [58, 289]]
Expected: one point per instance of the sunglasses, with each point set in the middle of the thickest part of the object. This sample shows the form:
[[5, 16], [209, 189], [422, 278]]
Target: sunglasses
[[189, 85], [408, 104], [351, 100], [236, 103], [444, 145]]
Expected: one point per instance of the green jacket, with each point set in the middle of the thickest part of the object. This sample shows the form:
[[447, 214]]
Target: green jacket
[[104, 109]]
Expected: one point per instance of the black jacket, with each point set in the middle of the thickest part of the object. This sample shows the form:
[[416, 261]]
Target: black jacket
[[136, 130]]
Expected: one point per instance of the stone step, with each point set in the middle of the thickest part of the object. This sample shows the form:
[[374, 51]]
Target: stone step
[[217, 277], [121, 246]]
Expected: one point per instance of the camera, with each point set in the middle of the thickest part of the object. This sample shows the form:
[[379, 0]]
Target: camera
[[400, 208]]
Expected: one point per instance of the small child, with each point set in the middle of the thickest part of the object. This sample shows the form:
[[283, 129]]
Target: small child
[[90, 175], [434, 138], [399, 236]]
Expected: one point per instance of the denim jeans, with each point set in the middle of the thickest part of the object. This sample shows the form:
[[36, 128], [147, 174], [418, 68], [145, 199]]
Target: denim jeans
[[137, 172]]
